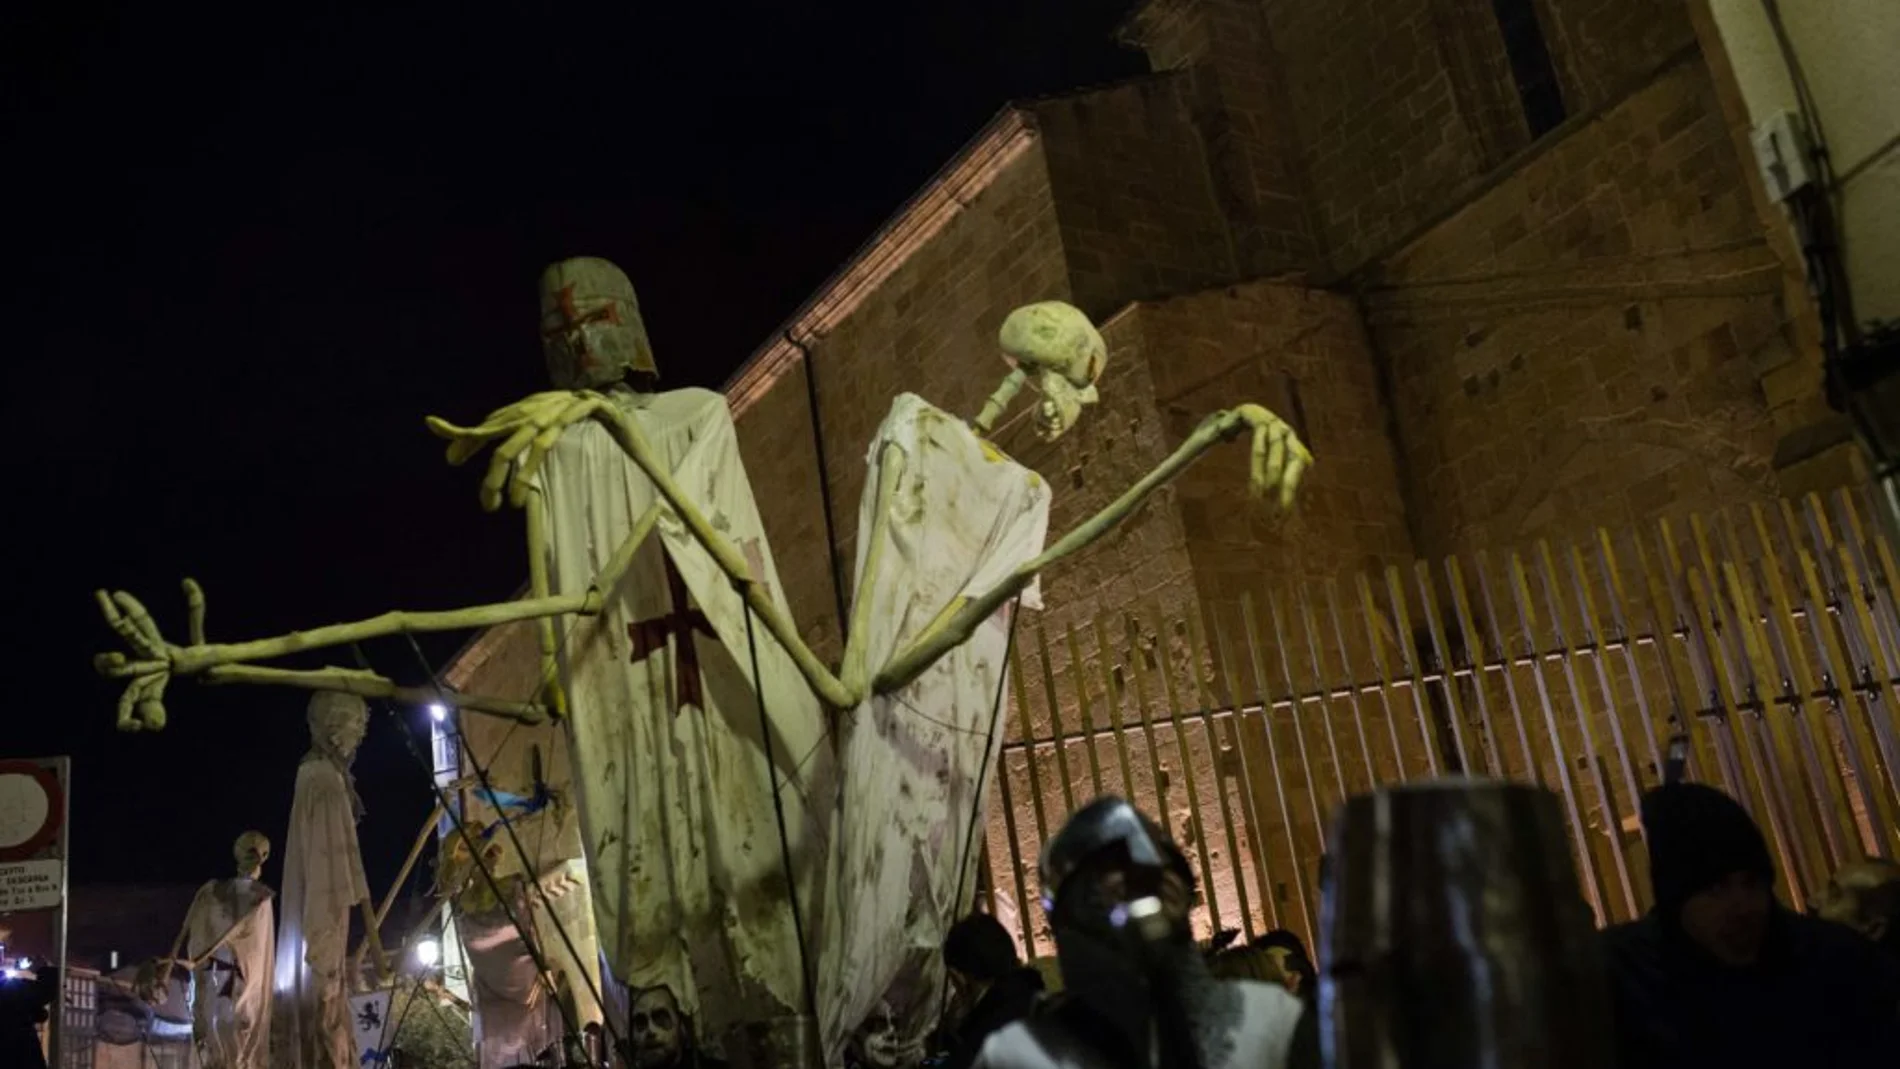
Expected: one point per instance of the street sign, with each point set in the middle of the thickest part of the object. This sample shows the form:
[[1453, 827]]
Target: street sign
[[32, 818]]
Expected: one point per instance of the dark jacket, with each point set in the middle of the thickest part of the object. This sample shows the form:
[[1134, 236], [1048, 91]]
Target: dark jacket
[[1821, 996], [1009, 999]]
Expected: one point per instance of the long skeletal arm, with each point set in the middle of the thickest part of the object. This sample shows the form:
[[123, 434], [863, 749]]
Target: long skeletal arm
[[1278, 462], [155, 661]]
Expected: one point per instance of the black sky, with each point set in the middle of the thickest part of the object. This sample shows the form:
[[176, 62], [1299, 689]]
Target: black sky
[[254, 249]]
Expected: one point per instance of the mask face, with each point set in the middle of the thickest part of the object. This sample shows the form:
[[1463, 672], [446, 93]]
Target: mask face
[[654, 1025], [250, 852], [591, 331]]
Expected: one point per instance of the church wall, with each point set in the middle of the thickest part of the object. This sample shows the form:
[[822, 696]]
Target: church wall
[[1134, 199], [1577, 344]]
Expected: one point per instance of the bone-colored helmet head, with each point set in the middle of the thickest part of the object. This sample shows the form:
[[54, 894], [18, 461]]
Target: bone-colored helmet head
[[250, 852], [338, 722], [591, 330], [1062, 354]]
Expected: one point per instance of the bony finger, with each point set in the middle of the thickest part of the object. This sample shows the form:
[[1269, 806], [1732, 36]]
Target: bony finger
[[141, 619], [128, 699], [530, 464], [1276, 454], [501, 464], [1290, 484]]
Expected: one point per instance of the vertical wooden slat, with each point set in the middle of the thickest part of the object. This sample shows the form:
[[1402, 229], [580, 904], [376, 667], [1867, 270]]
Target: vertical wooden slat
[[1370, 611], [1113, 697], [1712, 714], [1022, 875], [1738, 697], [1854, 736], [1594, 633], [1163, 784], [1408, 649], [1825, 770], [1533, 768], [1029, 752], [1320, 688], [1787, 777], [1580, 702], [1447, 667], [1082, 709], [1256, 828], [1351, 682], [1477, 656], [1294, 707], [1579, 827], [1204, 698], [1865, 567], [1881, 692], [1055, 721], [1852, 659], [1273, 756], [1617, 598], [1164, 667]]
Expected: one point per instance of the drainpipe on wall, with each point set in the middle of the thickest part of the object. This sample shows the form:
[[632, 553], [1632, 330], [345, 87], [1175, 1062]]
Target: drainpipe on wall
[[824, 484]]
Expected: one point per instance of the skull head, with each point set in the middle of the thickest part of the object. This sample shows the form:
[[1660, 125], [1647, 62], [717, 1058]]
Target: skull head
[[881, 1044], [1061, 354], [654, 1025], [591, 331], [337, 723], [250, 852]]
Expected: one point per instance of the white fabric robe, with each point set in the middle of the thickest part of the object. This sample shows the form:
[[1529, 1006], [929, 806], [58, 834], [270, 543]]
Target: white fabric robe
[[689, 888], [962, 519], [323, 882], [232, 1030]]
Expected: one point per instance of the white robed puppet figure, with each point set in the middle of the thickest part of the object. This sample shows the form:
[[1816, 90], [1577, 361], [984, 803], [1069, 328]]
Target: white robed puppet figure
[[323, 882], [229, 940], [915, 763], [676, 797]]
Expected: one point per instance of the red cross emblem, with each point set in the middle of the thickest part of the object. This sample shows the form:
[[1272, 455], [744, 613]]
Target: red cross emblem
[[681, 623]]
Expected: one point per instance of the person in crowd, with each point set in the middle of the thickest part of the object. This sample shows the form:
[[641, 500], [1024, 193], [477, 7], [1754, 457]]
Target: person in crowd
[[1719, 973], [661, 1037], [1280, 957], [25, 996], [1137, 991], [989, 980], [1865, 896]]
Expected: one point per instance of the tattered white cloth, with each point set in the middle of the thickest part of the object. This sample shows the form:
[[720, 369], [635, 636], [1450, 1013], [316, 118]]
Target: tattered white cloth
[[231, 993], [323, 882], [962, 519], [689, 888]]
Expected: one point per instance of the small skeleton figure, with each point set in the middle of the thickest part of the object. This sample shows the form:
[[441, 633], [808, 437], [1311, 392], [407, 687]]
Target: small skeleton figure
[[230, 937]]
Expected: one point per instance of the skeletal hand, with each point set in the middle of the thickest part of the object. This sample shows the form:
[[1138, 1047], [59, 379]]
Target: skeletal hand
[[527, 431], [1279, 458], [149, 671]]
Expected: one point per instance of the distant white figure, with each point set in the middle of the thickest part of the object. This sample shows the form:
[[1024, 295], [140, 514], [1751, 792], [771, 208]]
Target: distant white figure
[[323, 882]]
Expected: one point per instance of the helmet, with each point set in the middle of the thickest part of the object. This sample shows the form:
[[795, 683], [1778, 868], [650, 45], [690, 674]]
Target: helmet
[[591, 331], [1108, 824]]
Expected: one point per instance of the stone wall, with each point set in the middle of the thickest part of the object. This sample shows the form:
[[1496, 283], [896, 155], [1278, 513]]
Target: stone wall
[[1576, 347]]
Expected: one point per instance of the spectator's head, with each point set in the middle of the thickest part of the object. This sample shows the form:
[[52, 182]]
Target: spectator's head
[[979, 949], [1288, 963], [1710, 869], [1865, 896]]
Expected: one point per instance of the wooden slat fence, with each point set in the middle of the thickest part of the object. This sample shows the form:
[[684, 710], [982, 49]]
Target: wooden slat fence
[[1762, 641]]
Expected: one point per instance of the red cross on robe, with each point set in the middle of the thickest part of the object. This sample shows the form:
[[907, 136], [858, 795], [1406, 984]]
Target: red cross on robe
[[680, 623]]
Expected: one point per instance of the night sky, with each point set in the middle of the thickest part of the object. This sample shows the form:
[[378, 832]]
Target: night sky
[[252, 251]]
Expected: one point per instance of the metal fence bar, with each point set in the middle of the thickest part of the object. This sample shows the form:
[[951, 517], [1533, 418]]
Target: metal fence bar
[[1082, 707], [1273, 758]]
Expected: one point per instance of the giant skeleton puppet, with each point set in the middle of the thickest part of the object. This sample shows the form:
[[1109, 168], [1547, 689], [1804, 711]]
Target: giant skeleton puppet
[[230, 942], [676, 804]]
